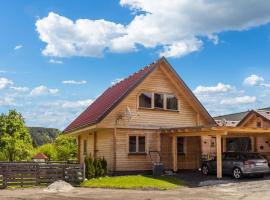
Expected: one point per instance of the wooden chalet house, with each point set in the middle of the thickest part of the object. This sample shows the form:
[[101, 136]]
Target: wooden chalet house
[[152, 110]]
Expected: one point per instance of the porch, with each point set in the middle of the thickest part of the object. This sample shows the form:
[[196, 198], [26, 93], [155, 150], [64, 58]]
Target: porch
[[171, 156]]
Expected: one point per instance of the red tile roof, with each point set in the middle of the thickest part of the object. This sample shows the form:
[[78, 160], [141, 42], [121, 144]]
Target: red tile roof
[[110, 98], [40, 156]]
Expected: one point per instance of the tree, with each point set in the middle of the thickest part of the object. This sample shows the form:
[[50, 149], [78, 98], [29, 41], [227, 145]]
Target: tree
[[66, 147], [49, 150], [15, 140]]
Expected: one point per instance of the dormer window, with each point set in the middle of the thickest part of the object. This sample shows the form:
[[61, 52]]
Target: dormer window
[[172, 102], [145, 100], [159, 100]]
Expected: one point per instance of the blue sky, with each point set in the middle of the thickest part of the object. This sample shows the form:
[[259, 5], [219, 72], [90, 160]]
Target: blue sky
[[56, 57]]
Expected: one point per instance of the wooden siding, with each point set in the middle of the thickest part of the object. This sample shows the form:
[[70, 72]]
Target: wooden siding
[[128, 162], [157, 81], [104, 147], [252, 122]]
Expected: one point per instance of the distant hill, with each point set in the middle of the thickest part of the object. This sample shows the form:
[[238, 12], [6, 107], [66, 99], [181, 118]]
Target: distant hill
[[42, 135]]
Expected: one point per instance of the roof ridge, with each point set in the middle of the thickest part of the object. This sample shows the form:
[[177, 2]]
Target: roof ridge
[[233, 113]]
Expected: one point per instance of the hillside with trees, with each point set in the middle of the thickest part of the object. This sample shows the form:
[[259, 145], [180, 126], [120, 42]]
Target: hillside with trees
[[41, 136]]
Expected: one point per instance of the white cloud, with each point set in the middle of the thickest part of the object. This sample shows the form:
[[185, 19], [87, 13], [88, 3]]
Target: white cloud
[[53, 61], [253, 80], [80, 38], [20, 89], [178, 27], [57, 114], [17, 47], [43, 90], [219, 88], [7, 101], [77, 104], [74, 82], [239, 100], [4, 82], [117, 80], [182, 48], [266, 85]]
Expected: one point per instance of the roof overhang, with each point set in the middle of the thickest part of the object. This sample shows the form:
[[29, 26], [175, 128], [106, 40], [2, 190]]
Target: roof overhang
[[79, 131], [214, 130]]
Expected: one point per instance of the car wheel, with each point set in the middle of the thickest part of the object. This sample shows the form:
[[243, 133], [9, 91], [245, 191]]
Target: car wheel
[[205, 169], [237, 173]]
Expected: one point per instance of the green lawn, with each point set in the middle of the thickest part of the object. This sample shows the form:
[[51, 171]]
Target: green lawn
[[135, 182]]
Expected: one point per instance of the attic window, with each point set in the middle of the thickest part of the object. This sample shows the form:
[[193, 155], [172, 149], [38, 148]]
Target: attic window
[[172, 102], [145, 100], [159, 100], [259, 124]]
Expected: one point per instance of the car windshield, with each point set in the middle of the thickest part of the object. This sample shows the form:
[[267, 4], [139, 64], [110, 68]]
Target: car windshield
[[250, 156]]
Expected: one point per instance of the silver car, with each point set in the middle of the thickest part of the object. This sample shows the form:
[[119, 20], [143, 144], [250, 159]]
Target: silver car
[[238, 164]]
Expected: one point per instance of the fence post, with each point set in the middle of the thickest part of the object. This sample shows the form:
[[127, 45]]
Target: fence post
[[37, 174], [5, 177], [63, 172]]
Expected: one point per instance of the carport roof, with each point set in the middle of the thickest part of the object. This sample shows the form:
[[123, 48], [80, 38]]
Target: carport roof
[[213, 130]]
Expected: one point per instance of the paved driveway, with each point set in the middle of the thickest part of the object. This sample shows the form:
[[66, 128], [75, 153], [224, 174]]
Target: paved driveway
[[197, 179], [246, 190]]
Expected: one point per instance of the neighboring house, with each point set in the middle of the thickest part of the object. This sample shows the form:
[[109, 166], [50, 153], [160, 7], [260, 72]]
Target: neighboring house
[[254, 119], [40, 157], [150, 113]]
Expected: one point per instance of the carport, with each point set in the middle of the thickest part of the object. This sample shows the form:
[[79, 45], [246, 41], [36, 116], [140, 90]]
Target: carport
[[217, 132]]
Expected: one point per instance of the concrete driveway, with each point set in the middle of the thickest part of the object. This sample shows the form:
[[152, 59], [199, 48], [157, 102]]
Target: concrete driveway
[[257, 189]]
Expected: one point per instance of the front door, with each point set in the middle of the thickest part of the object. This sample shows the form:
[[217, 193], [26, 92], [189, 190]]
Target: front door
[[166, 151]]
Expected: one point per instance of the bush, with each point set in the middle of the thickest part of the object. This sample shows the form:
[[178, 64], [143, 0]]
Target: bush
[[89, 167], [49, 150], [95, 168]]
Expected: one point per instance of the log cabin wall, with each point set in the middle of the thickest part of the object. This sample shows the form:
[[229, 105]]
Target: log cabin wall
[[262, 142]]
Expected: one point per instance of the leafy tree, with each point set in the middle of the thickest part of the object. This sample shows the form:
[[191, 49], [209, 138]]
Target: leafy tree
[[49, 150], [66, 147], [15, 140]]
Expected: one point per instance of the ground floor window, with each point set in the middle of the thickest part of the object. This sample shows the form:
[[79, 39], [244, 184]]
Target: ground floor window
[[136, 144], [84, 147]]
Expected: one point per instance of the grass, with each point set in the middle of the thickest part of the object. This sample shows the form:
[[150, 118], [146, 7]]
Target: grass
[[135, 182]]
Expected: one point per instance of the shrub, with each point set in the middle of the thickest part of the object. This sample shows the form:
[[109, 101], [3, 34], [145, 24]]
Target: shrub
[[95, 168], [89, 167]]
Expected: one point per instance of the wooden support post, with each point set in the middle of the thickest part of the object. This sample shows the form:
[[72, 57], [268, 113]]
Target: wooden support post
[[174, 153], [95, 144], [219, 156], [79, 148], [114, 149], [224, 144]]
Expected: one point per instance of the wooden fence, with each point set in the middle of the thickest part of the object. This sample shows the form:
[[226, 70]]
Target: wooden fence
[[32, 173]]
